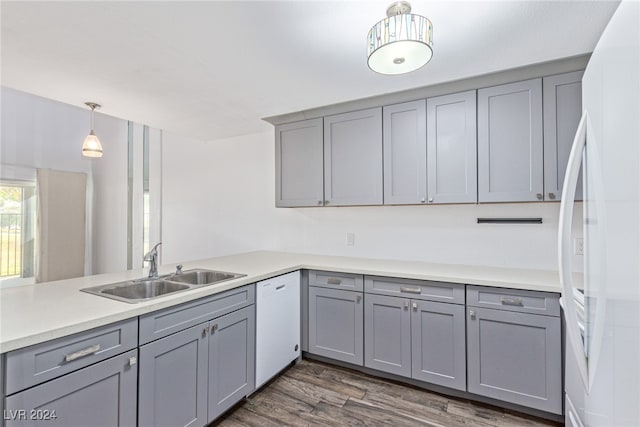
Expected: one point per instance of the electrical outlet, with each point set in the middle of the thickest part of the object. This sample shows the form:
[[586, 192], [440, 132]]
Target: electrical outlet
[[351, 239], [578, 246]]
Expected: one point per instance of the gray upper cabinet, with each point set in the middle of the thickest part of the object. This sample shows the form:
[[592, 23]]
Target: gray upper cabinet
[[562, 110], [336, 328], [231, 360], [173, 379], [405, 153], [515, 357], [299, 169], [451, 148], [353, 158], [101, 395], [510, 151], [387, 340]]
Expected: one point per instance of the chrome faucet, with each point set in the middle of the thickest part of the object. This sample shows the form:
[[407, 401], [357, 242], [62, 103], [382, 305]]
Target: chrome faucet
[[152, 257]]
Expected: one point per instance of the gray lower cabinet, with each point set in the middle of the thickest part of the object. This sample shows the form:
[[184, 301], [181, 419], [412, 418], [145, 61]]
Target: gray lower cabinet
[[173, 379], [336, 324], [510, 142], [451, 148], [103, 394], [353, 158], [423, 340], [231, 360], [515, 357], [299, 171], [405, 153], [562, 111]]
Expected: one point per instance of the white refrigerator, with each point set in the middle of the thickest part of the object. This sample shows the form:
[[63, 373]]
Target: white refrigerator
[[602, 378]]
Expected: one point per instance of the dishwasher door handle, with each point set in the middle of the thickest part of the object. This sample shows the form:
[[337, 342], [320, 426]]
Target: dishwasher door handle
[[280, 287]]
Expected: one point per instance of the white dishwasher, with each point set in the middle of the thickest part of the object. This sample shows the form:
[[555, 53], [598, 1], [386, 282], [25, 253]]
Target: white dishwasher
[[277, 325]]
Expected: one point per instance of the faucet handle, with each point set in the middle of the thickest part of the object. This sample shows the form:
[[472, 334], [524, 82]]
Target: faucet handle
[[179, 269]]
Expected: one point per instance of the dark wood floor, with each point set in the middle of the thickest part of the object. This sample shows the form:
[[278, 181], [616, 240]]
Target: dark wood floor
[[316, 394]]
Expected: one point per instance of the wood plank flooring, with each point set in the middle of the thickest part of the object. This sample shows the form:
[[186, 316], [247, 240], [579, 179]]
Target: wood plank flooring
[[317, 394]]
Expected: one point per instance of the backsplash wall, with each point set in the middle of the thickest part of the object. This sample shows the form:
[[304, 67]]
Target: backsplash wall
[[235, 209]]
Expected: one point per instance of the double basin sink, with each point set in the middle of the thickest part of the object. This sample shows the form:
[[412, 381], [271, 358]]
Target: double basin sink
[[133, 291]]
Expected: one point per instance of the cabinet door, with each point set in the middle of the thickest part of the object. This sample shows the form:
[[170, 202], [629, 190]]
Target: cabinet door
[[103, 394], [438, 340], [353, 158], [510, 142], [173, 379], [451, 148], [336, 324], [231, 359], [299, 168], [405, 153], [515, 357], [387, 340], [562, 111]]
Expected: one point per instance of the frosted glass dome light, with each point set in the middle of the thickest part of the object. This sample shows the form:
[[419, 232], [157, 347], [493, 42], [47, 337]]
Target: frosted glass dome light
[[400, 43], [91, 147]]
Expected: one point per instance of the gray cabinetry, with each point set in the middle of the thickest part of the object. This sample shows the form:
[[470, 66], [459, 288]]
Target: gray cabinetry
[[415, 337], [299, 168], [353, 158], [510, 144], [451, 148], [562, 110], [336, 324], [514, 356], [196, 371], [387, 340], [103, 394], [405, 153], [231, 360], [173, 379]]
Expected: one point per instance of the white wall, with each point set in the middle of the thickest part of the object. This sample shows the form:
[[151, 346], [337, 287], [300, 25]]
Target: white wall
[[218, 199]]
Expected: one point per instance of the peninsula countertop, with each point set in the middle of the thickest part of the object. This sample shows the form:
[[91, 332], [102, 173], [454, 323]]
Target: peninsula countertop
[[32, 314]]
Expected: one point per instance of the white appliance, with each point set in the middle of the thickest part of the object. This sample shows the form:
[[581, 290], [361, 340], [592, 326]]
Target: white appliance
[[603, 322], [277, 325]]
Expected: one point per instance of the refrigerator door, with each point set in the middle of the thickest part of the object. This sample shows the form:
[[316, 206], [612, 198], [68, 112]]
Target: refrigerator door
[[610, 95]]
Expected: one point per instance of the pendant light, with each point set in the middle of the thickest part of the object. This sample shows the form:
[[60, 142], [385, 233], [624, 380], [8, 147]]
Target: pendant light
[[91, 146], [400, 43]]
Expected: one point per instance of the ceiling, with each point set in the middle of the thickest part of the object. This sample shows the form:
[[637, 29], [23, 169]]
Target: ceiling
[[213, 69]]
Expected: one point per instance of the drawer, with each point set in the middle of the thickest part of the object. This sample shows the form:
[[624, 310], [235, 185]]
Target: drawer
[[328, 279], [514, 300], [174, 319], [38, 363], [416, 289]]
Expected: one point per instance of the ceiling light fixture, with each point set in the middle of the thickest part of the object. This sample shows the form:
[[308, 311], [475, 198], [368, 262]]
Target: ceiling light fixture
[[400, 43], [91, 146]]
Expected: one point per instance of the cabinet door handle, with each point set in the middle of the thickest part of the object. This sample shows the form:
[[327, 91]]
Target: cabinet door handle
[[133, 360], [326, 202], [205, 331], [511, 301], [472, 314], [552, 196], [415, 306], [320, 202], [406, 305], [333, 281], [82, 353], [214, 328], [539, 196], [409, 290], [430, 199], [280, 287], [358, 299], [422, 200]]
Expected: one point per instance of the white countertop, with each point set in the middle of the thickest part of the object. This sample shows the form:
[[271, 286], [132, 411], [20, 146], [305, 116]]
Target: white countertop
[[36, 313]]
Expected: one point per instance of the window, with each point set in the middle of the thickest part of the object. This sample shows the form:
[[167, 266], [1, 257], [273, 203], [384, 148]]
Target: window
[[17, 231]]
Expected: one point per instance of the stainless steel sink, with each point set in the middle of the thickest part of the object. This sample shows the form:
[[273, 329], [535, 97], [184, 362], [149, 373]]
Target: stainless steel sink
[[134, 291], [199, 277]]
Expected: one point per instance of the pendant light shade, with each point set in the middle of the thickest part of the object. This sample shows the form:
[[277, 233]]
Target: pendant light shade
[[92, 146], [400, 43]]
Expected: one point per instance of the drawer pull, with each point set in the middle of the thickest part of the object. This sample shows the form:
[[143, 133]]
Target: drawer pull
[[280, 287], [334, 281], [409, 290], [82, 353], [511, 301]]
